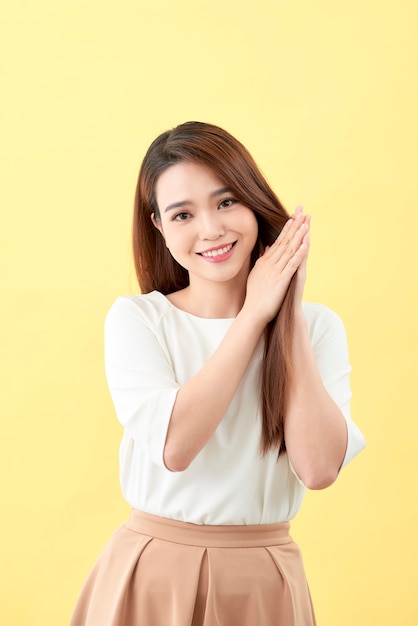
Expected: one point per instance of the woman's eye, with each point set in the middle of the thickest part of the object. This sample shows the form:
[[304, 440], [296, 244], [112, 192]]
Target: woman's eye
[[181, 217], [226, 203]]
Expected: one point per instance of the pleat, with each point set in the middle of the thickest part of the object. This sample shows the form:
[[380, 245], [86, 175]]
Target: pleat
[[296, 603], [166, 584], [141, 581], [244, 588], [103, 598]]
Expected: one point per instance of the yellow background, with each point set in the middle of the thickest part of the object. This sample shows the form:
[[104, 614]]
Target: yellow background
[[325, 96]]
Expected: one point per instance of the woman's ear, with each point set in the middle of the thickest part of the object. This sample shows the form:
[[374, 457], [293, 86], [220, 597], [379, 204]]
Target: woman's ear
[[157, 223]]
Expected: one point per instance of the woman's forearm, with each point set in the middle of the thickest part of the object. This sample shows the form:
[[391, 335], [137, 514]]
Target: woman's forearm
[[202, 402], [315, 428]]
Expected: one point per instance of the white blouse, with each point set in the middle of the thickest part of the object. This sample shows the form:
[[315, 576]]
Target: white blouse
[[151, 349]]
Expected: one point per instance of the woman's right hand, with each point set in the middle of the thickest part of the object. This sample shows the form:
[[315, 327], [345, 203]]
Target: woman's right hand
[[269, 279]]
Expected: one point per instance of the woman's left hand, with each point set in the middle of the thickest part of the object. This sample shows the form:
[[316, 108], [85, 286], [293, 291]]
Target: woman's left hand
[[301, 271]]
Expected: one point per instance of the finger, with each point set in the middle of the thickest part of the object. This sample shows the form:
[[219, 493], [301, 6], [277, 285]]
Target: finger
[[298, 208], [301, 224], [302, 269], [282, 235], [284, 265], [298, 219], [293, 263], [291, 253], [291, 240], [307, 237], [298, 212], [290, 237], [287, 231]]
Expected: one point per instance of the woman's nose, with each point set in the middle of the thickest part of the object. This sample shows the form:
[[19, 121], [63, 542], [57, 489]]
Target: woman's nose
[[210, 226]]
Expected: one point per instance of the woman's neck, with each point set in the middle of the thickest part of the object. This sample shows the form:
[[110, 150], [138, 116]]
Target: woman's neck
[[210, 300]]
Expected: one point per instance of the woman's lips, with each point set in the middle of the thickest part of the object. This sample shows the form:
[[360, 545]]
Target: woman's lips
[[219, 253], [218, 250]]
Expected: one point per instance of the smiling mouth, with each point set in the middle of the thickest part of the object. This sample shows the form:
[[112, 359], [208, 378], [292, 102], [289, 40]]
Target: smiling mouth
[[218, 251]]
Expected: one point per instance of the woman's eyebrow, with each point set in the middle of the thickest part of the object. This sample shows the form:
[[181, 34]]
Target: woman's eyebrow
[[219, 192], [184, 203], [177, 205]]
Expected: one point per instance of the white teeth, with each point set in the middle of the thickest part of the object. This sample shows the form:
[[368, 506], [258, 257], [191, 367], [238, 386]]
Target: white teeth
[[218, 251]]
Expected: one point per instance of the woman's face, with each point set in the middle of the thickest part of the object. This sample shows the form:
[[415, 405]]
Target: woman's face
[[206, 229]]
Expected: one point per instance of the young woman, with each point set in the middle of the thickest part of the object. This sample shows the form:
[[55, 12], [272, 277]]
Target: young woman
[[233, 394]]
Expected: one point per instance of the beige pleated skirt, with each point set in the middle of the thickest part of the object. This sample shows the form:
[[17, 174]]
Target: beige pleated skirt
[[160, 572]]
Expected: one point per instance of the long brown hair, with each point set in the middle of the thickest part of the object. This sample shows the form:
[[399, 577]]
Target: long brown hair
[[157, 270]]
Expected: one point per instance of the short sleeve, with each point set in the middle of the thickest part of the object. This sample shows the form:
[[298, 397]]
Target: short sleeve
[[329, 343], [140, 377]]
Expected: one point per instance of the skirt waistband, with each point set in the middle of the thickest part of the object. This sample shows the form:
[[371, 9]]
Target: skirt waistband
[[256, 535]]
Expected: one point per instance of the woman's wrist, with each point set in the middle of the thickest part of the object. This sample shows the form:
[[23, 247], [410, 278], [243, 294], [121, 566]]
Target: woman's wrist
[[299, 316], [254, 322]]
